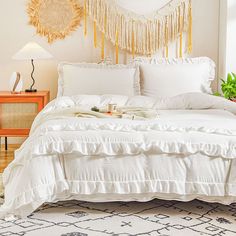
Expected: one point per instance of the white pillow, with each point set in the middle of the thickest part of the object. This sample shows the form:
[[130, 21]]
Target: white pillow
[[113, 99], [195, 101], [141, 101], [87, 100], [85, 78], [99, 101], [171, 77]]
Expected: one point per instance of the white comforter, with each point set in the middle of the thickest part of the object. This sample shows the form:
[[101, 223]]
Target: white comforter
[[203, 125]]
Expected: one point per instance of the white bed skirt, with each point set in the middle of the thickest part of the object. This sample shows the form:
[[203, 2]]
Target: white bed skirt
[[129, 178]]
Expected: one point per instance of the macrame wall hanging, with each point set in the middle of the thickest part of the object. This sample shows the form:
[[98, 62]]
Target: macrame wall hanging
[[55, 19], [137, 34]]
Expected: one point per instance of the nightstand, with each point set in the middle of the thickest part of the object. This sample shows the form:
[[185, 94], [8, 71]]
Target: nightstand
[[17, 112]]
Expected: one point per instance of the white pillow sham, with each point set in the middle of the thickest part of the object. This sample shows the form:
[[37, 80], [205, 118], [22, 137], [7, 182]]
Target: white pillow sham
[[171, 77], [96, 100], [91, 78], [141, 101], [195, 101]]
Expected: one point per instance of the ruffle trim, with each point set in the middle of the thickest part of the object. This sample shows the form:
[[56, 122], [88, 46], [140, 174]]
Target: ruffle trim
[[25, 203], [209, 77], [49, 146], [123, 125], [136, 76]]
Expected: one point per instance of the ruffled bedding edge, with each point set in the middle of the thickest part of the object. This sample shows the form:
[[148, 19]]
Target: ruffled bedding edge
[[100, 191], [125, 146]]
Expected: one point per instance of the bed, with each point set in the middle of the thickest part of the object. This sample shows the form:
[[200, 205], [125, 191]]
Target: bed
[[182, 147]]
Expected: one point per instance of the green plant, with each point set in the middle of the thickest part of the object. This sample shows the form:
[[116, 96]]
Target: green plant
[[217, 94], [229, 86]]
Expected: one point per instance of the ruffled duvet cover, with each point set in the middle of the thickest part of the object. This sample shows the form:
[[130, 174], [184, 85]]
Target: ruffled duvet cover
[[185, 125]]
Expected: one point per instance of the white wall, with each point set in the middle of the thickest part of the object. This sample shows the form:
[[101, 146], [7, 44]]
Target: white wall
[[15, 33], [227, 39], [206, 30], [222, 39], [230, 55]]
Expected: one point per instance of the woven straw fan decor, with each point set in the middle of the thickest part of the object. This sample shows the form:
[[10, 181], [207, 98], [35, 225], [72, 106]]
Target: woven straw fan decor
[[55, 19]]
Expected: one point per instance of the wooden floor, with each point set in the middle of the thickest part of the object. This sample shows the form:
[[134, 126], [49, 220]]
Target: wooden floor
[[7, 156]]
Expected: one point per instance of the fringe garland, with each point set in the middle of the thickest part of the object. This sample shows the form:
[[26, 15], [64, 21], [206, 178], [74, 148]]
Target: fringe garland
[[117, 46], [103, 36], [190, 20], [95, 34], [85, 18], [141, 34], [166, 38]]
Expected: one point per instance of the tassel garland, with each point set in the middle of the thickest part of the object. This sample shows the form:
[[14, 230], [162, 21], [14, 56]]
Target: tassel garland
[[103, 37], [94, 34], [133, 44], [144, 35], [181, 45], [166, 39], [190, 44], [103, 47], [85, 18], [180, 36], [158, 39], [117, 46]]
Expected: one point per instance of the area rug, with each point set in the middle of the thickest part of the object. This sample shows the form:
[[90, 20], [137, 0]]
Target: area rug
[[158, 217]]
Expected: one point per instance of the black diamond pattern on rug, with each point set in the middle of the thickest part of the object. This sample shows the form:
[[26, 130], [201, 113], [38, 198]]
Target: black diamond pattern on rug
[[74, 234], [157, 217]]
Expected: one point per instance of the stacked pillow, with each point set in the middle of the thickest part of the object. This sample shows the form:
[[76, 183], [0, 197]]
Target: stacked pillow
[[144, 76], [85, 78], [168, 78]]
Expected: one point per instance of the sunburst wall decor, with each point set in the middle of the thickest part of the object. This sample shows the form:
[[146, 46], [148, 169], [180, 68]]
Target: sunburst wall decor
[[55, 19]]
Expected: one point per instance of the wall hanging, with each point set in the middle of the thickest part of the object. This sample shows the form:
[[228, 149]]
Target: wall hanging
[[135, 33], [55, 19], [139, 34]]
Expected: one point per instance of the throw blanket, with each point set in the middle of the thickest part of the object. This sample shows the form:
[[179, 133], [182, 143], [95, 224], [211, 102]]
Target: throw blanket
[[133, 113]]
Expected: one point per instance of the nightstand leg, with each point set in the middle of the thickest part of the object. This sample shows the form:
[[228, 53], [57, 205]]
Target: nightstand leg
[[6, 143]]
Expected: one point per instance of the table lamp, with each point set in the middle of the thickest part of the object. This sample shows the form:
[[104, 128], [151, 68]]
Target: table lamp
[[32, 51]]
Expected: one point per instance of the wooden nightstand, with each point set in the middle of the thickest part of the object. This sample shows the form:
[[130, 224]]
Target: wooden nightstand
[[17, 112]]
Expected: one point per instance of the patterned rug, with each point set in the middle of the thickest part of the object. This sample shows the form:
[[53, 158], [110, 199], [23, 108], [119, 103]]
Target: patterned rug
[[75, 218]]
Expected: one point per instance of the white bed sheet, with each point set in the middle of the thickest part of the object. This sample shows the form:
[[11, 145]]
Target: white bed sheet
[[184, 154]]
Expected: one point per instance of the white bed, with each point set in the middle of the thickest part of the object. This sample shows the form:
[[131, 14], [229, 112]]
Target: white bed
[[182, 154]]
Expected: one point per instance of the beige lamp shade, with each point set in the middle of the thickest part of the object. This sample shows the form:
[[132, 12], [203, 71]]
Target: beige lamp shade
[[32, 51]]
